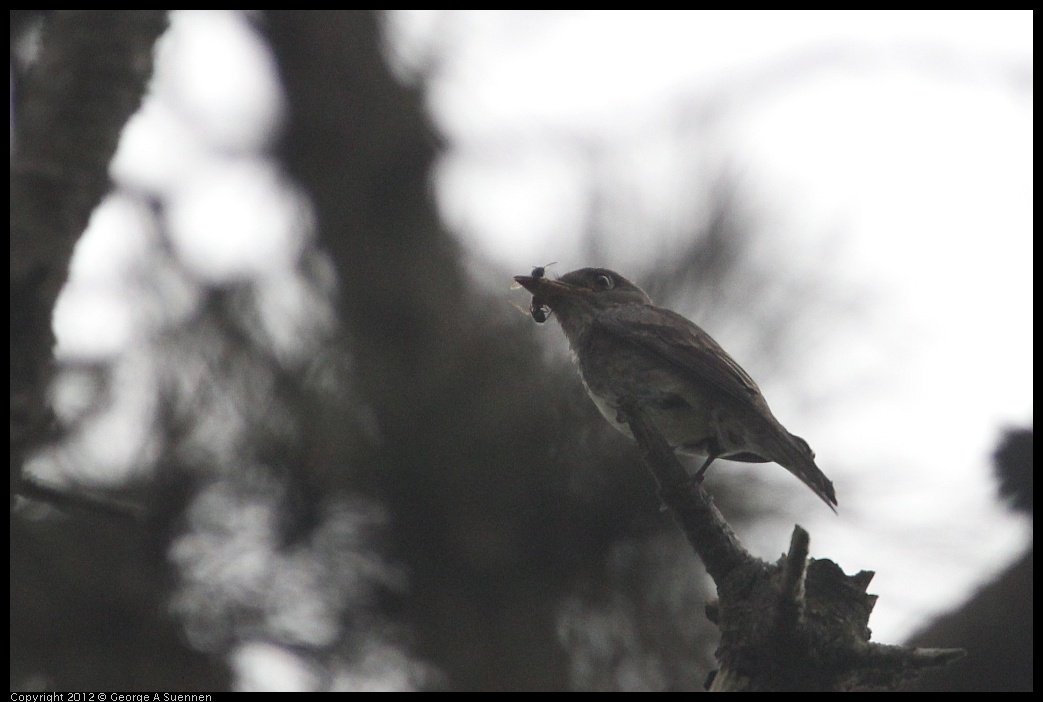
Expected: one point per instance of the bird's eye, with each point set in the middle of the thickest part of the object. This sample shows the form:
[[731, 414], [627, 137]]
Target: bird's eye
[[603, 282]]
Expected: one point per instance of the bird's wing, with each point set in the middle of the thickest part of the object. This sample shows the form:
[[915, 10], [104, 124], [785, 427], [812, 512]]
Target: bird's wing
[[671, 337], [678, 341]]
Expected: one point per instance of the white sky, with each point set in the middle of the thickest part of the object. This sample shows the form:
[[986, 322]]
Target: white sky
[[891, 151]]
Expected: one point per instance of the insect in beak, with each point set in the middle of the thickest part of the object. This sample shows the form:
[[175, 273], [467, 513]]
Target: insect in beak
[[539, 311]]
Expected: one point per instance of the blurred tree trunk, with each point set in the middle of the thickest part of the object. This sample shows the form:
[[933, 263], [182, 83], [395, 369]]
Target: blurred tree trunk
[[504, 507], [87, 591], [85, 84], [426, 361]]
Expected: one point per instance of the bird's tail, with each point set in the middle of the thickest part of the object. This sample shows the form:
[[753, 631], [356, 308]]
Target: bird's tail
[[798, 458]]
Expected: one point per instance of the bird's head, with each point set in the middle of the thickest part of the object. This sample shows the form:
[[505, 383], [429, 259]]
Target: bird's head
[[577, 296]]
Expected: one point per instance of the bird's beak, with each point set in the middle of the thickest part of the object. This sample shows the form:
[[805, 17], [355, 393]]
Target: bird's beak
[[545, 288]]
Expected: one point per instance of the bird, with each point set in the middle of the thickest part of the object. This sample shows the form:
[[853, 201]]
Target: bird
[[695, 395]]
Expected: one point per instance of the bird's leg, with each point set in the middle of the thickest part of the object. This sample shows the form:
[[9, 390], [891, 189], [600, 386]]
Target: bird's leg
[[699, 474], [713, 452]]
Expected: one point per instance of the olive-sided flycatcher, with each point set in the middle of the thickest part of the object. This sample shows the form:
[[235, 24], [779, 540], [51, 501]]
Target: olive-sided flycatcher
[[690, 389]]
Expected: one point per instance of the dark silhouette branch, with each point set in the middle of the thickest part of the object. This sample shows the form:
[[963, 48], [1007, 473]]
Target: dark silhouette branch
[[707, 532], [84, 503], [799, 624]]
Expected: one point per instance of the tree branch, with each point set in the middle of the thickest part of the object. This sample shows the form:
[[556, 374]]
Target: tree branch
[[799, 624]]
